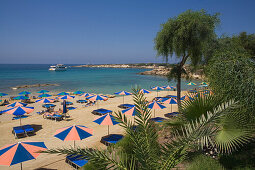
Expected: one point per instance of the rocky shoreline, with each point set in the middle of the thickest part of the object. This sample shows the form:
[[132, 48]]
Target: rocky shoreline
[[155, 69], [33, 85]]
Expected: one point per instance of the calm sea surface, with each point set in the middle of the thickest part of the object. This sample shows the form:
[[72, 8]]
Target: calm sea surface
[[97, 80]]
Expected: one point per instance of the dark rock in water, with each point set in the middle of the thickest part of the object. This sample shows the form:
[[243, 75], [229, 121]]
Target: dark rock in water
[[33, 85]]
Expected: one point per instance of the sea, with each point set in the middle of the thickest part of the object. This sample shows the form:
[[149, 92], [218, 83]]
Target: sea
[[93, 80]]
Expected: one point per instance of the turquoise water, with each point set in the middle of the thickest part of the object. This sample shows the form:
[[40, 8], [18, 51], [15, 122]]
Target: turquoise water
[[97, 80]]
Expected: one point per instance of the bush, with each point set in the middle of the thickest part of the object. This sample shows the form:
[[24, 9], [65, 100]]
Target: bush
[[202, 162]]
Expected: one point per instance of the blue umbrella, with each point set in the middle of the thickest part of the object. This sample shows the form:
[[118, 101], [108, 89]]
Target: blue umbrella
[[106, 119], [66, 97], [20, 152], [24, 93], [21, 98], [3, 94], [44, 95], [45, 100], [78, 92], [130, 111], [16, 104], [43, 91], [63, 94], [156, 105], [169, 101], [124, 93]]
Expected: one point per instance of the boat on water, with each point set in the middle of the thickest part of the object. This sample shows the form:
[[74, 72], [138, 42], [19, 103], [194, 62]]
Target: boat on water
[[58, 67]]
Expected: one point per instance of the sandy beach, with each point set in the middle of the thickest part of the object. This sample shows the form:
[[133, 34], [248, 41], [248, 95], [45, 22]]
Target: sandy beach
[[46, 128]]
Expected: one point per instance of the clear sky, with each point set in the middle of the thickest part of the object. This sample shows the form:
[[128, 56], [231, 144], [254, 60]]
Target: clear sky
[[101, 31]]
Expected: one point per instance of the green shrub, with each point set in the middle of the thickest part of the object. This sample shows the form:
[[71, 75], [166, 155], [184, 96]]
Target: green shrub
[[202, 162]]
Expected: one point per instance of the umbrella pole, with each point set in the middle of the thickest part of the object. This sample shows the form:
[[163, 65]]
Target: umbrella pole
[[21, 165], [20, 121], [123, 99], [171, 107], [154, 113], [74, 144], [108, 129]]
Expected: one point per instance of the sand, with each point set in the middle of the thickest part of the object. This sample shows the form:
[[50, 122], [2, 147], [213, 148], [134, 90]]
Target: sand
[[46, 128]]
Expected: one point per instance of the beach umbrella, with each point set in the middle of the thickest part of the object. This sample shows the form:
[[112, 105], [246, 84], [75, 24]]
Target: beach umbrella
[[97, 97], [63, 94], [3, 94], [86, 95], [24, 93], [169, 101], [169, 87], [45, 100], [191, 84], [16, 104], [19, 111], [156, 105], [73, 133], [186, 98], [106, 119], [43, 91], [20, 152], [66, 97], [203, 83], [144, 91], [20, 98], [130, 111], [123, 93], [78, 92], [157, 88], [45, 95]]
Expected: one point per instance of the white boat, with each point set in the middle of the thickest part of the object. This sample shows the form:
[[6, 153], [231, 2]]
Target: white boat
[[58, 67]]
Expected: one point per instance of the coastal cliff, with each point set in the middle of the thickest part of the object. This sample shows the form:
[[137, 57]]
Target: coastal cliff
[[156, 69]]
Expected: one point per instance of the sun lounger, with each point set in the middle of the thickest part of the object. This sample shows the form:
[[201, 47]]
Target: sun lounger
[[76, 161], [111, 139], [126, 106], [81, 101], [18, 131], [57, 117], [28, 129], [101, 111], [170, 115], [71, 108], [157, 119], [68, 103]]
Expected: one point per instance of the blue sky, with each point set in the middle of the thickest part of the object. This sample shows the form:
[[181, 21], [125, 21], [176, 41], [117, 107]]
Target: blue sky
[[106, 31]]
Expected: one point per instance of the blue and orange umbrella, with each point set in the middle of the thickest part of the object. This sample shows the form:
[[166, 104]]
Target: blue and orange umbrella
[[186, 98], [16, 104], [86, 95], [3, 94], [78, 92], [123, 93], [20, 152], [45, 100], [20, 98], [24, 93], [73, 133], [97, 97], [19, 111], [106, 119], [130, 111], [66, 97], [63, 94], [144, 91], [169, 101], [45, 95], [156, 105], [157, 88], [43, 91]]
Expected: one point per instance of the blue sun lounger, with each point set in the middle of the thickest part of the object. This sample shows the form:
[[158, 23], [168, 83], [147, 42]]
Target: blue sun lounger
[[170, 115], [111, 139], [28, 129], [126, 106], [101, 111], [158, 119], [18, 131], [76, 161]]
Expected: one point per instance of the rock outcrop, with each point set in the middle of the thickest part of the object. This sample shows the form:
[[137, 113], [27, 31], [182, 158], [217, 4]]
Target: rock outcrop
[[33, 85]]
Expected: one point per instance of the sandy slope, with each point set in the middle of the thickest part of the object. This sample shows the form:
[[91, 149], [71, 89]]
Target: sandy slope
[[46, 129]]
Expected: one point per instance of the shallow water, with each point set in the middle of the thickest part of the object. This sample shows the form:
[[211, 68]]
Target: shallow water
[[97, 80]]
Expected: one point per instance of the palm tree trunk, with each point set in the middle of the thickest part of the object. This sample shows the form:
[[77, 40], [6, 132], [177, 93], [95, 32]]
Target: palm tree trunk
[[179, 87]]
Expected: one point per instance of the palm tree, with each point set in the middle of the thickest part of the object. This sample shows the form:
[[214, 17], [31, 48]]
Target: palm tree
[[145, 151]]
